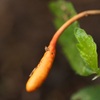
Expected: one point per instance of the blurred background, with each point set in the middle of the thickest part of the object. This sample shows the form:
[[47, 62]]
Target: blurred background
[[26, 27]]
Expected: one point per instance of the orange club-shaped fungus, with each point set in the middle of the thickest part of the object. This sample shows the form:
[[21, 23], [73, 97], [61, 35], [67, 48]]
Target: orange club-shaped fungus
[[40, 73]]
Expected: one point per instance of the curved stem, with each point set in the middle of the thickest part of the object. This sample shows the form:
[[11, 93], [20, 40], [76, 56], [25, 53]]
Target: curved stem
[[69, 22]]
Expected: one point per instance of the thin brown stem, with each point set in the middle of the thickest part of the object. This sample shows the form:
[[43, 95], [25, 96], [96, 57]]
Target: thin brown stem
[[69, 22]]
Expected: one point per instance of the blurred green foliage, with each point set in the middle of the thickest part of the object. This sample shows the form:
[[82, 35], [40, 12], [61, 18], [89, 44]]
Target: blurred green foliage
[[88, 93], [63, 11], [78, 47]]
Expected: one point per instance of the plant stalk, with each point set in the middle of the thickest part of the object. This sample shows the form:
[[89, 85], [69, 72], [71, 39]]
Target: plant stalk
[[69, 22]]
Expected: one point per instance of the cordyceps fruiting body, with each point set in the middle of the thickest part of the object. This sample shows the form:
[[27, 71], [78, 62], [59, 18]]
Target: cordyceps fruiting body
[[40, 73]]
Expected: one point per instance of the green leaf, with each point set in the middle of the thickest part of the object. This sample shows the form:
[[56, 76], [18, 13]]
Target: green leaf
[[62, 11], [89, 93], [87, 49]]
